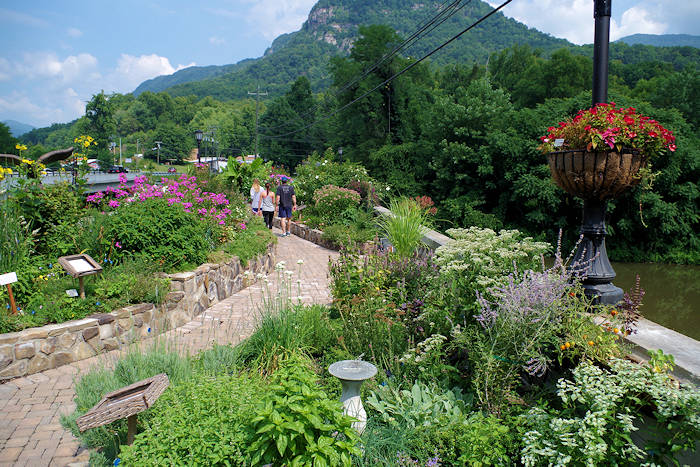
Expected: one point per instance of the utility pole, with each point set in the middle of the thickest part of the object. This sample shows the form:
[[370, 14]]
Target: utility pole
[[120, 150], [158, 143], [256, 94]]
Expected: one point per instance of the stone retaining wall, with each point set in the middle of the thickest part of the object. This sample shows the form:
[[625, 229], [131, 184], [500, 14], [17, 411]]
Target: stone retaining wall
[[307, 233], [38, 349]]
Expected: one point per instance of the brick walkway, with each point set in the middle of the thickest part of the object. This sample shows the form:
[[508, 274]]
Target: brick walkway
[[31, 407]]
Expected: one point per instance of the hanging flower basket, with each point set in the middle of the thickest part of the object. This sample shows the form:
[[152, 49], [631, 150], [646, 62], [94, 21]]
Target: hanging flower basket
[[602, 150], [595, 175]]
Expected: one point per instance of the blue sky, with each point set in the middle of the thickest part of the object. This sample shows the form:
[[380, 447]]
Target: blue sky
[[55, 55]]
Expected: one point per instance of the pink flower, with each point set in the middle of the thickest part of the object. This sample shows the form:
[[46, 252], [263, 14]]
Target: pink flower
[[114, 203], [242, 225], [117, 244]]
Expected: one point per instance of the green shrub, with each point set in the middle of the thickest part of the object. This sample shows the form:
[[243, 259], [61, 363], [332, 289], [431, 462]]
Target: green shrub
[[480, 258], [432, 423], [601, 409], [297, 424], [422, 405], [291, 329], [248, 243], [405, 226], [331, 202], [132, 281], [166, 235], [202, 422], [318, 171], [347, 236], [92, 386]]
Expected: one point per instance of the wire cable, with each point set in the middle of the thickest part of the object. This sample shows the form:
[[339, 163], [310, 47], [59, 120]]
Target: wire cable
[[413, 38], [396, 75]]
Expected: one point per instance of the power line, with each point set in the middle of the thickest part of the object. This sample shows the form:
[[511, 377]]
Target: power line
[[396, 75], [257, 94], [414, 37]]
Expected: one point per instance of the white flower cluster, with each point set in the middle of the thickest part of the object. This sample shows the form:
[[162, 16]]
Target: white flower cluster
[[486, 253], [423, 349]]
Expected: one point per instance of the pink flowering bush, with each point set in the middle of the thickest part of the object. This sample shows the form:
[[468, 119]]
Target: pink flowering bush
[[606, 127], [183, 193], [332, 201], [174, 222]]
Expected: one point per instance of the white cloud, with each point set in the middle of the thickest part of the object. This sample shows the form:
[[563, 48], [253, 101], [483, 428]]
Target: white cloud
[[573, 19], [570, 19], [275, 17], [21, 18], [5, 69], [60, 107], [134, 70], [74, 32], [635, 20], [47, 65], [217, 40]]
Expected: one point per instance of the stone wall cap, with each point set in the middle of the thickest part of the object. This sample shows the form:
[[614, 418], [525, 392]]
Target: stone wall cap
[[181, 276], [10, 337], [103, 318]]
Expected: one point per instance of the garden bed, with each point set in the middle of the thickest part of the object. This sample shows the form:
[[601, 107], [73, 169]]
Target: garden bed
[[42, 348]]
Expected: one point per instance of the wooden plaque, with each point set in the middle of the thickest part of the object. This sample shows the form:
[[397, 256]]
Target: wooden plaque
[[124, 402], [79, 265]]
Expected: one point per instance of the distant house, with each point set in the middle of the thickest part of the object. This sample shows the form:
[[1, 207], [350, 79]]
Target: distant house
[[246, 159]]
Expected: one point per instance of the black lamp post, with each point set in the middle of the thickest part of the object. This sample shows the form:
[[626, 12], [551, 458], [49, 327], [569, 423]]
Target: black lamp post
[[591, 251], [198, 137]]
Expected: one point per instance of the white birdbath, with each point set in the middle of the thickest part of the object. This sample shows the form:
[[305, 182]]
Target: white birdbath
[[351, 374]]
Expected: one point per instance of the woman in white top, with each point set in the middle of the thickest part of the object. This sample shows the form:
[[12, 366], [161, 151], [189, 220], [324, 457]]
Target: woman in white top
[[267, 205], [255, 192]]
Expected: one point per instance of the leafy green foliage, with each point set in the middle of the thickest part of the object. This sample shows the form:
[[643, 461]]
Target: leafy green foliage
[[612, 402], [165, 234], [420, 406], [198, 424], [247, 244], [405, 226], [241, 176], [293, 329], [297, 424], [92, 386]]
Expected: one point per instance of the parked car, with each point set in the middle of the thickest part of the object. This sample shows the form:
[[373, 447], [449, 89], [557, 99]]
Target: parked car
[[172, 170], [117, 169]]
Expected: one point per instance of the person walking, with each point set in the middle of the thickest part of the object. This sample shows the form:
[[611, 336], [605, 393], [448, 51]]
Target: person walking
[[286, 199], [255, 192], [267, 205]]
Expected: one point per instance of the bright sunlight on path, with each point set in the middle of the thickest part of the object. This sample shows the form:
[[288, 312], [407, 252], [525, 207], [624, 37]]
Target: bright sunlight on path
[[31, 407]]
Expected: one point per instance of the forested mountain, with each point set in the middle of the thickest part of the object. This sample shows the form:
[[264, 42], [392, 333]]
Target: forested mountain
[[662, 40], [17, 128], [331, 29]]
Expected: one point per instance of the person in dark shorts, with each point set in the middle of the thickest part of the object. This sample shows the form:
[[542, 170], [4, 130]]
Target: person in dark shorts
[[286, 199]]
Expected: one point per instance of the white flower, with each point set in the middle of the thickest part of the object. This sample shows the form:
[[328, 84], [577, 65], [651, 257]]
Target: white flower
[[388, 188], [289, 273], [316, 177], [300, 261], [280, 266]]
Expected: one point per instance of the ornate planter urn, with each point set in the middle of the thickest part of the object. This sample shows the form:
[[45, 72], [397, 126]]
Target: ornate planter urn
[[351, 374], [595, 177]]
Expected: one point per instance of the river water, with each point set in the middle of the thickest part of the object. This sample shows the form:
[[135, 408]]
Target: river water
[[672, 296]]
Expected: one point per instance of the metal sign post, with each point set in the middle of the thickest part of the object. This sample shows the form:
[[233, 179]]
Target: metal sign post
[[8, 279]]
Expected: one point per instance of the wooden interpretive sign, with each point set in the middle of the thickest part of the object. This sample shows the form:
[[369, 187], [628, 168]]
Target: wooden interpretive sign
[[80, 266], [125, 403], [8, 279]]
